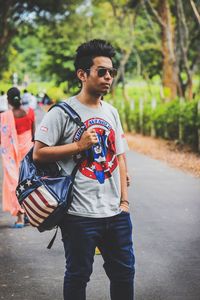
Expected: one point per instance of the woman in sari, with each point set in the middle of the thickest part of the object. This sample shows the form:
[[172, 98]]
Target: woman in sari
[[17, 130]]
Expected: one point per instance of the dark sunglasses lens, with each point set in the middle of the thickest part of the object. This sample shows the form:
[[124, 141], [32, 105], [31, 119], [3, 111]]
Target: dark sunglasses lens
[[102, 72], [113, 72]]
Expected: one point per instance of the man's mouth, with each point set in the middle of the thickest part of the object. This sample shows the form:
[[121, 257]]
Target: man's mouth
[[107, 85]]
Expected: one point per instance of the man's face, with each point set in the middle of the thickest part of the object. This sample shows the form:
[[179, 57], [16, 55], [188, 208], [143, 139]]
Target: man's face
[[95, 83]]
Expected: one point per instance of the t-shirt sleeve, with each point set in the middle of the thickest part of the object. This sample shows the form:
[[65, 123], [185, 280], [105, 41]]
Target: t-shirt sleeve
[[121, 144], [51, 128]]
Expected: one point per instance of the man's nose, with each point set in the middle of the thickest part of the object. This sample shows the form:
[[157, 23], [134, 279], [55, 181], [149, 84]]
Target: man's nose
[[107, 75]]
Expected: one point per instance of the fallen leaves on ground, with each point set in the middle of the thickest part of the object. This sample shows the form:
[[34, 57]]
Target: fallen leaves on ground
[[176, 155]]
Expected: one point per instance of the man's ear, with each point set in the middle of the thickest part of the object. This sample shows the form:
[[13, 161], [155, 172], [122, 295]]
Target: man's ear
[[82, 75]]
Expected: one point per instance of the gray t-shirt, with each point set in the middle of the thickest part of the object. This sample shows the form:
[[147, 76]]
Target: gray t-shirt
[[97, 182]]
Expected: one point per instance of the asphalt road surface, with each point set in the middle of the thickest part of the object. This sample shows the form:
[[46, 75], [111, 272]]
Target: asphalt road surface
[[165, 206]]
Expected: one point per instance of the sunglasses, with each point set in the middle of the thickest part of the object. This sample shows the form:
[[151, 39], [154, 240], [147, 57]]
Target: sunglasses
[[102, 72]]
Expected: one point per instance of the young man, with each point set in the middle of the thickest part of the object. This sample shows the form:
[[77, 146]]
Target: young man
[[99, 213]]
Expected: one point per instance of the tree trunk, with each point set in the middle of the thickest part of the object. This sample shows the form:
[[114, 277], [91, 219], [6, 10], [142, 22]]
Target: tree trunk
[[170, 73], [183, 43], [121, 72]]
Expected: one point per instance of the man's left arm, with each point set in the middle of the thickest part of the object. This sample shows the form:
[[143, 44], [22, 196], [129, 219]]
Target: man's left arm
[[124, 204]]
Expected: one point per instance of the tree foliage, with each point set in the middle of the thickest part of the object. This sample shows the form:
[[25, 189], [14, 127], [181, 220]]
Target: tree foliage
[[14, 14], [180, 33], [40, 38]]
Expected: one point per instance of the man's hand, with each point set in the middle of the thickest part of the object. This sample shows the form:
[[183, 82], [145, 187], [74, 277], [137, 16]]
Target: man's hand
[[88, 138], [124, 205]]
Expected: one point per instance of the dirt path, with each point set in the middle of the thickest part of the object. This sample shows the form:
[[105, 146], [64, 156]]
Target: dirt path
[[167, 151]]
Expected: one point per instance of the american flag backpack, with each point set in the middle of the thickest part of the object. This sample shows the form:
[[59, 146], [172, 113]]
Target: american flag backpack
[[42, 192]]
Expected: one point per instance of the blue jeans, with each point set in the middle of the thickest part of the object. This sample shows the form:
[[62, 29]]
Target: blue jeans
[[113, 236]]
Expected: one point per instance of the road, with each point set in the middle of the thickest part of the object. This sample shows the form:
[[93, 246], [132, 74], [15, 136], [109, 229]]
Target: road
[[165, 205]]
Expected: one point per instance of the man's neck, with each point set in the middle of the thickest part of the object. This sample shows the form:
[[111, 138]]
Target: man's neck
[[93, 101]]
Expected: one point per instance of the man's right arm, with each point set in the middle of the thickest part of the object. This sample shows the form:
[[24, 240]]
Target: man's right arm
[[44, 153]]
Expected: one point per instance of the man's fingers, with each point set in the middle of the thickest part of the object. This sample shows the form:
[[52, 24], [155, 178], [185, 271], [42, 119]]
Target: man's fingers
[[93, 134], [91, 130]]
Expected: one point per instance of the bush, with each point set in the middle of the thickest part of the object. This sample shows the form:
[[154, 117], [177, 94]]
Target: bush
[[191, 123], [175, 120]]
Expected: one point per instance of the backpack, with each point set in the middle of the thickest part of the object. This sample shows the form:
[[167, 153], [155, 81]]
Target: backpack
[[42, 192]]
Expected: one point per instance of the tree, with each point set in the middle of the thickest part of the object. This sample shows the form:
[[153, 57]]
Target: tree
[[151, 37], [188, 49], [162, 14], [112, 21], [180, 47], [13, 14]]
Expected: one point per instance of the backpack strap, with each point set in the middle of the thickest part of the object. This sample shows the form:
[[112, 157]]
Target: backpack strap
[[74, 116], [71, 113], [53, 239]]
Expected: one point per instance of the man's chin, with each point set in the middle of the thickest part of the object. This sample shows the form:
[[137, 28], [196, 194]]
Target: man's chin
[[105, 92]]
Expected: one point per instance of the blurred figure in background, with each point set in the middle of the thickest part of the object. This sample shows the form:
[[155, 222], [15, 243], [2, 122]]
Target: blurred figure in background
[[33, 102], [46, 100], [17, 130], [26, 98], [3, 102]]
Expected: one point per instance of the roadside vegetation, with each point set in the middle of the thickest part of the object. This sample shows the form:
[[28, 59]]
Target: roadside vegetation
[[157, 90]]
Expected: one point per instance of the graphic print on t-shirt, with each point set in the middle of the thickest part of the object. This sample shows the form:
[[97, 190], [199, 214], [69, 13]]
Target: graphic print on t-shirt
[[101, 159]]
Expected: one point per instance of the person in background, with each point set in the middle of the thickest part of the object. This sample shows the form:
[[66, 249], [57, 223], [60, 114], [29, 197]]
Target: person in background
[[3, 102], [99, 212], [46, 100], [17, 130], [33, 103], [26, 98]]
